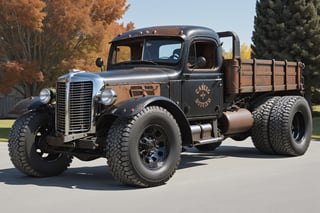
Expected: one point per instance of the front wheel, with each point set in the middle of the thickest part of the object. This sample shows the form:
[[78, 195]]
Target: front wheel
[[27, 140], [145, 150]]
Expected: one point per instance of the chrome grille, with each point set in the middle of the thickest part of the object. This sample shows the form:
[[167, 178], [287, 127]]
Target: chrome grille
[[75, 116], [80, 106]]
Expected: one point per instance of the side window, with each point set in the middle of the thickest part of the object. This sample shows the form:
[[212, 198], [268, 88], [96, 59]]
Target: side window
[[202, 55]]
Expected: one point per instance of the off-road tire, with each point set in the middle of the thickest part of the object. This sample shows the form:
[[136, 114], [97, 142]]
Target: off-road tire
[[290, 126], [208, 147], [145, 150], [26, 138], [260, 129]]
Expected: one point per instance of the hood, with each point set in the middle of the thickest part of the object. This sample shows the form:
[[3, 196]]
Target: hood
[[120, 77], [138, 75], [124, 76]]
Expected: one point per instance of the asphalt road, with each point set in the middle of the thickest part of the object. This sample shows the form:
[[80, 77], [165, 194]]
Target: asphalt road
[[234, 178]]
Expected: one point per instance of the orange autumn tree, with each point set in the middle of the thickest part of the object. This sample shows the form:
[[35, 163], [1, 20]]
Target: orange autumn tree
[[86, 58], [23, 73], [41, 39]]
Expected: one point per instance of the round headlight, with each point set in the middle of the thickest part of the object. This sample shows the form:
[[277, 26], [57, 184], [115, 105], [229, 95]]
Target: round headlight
[[108, 97], [45, 96]]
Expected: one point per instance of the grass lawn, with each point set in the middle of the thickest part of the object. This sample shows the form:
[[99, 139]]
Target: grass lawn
[[5, 126], [316, 108], [316, 128], [316, 123]]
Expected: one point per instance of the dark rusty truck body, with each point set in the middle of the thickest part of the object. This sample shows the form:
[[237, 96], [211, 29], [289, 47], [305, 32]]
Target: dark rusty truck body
[[164, 87]]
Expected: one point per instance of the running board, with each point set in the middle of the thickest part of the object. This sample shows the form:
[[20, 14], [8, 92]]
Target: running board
[[208, 141]]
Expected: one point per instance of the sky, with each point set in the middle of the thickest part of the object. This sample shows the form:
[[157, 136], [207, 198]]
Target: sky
[[219, 15]]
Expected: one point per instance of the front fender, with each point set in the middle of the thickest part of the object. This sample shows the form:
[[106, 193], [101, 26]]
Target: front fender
[[28, 104], [131, 107]]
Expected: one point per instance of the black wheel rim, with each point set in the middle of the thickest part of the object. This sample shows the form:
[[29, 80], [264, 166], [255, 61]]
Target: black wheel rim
[[154, 147], [298, 127], [40, 147]]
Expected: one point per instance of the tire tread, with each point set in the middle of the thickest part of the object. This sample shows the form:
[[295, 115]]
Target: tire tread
[[17, 144], [260, 130], [280, 125]]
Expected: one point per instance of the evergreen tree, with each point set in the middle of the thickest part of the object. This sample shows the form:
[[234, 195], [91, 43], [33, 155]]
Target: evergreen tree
[[285, 29]]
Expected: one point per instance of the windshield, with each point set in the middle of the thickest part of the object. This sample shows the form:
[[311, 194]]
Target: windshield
[[146, 51]]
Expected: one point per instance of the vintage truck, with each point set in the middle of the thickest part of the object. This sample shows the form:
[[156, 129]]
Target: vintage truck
[[164, 87]]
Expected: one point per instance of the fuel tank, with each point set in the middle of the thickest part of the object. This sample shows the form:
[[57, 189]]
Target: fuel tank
[[236, 121]]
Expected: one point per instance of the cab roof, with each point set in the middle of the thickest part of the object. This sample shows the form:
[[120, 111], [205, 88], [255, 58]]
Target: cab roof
[[183, 31]]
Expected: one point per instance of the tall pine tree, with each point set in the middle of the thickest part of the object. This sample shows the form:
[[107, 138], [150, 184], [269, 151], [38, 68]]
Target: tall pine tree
[[285, 29]]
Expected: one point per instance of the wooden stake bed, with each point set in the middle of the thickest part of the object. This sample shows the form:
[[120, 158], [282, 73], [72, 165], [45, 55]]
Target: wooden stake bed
[[257, 75]]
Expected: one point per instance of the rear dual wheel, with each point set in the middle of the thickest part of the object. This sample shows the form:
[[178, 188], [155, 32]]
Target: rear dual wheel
[[282, 125], [261, 122], [290, 126]]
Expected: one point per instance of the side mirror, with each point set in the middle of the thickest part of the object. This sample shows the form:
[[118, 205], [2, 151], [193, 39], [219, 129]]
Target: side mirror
[[201, 62], [99, 62]]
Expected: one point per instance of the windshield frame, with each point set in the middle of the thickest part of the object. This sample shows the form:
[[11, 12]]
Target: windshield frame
[[147, 51]]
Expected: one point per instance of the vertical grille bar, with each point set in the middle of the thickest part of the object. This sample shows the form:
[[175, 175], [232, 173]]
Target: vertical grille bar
[[61, 107]]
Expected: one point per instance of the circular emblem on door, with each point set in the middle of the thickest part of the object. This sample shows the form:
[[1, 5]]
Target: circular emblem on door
[[203, 99]]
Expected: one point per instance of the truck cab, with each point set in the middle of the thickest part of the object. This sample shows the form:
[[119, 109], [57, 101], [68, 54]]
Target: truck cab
[[190, 58]]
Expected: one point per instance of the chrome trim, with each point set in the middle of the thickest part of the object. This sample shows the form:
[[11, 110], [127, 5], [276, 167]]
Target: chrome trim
[[67, 108], [60, 107], [67, 132]]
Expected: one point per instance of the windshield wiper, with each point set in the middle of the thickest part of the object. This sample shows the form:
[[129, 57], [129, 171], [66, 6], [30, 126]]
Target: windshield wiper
[[138, 62], [149, 62]]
